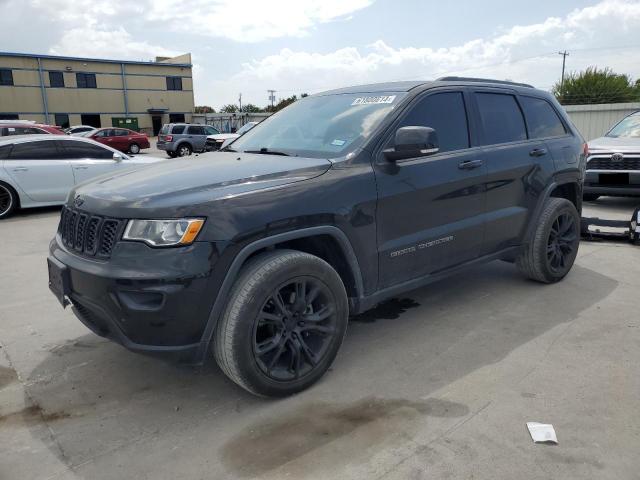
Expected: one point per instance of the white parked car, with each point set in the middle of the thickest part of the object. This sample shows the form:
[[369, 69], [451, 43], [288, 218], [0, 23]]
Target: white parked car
[[216, 142], [40, 170], [78, 129]]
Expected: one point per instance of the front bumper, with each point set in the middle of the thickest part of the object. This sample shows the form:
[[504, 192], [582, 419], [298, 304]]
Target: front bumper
[[146, 299], [612, 182]]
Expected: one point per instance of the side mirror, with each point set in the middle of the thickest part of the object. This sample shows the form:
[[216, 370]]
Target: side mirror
[[118, 157], [412, 142]]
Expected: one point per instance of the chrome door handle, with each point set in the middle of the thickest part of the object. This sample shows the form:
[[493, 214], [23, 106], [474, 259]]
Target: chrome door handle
[[81, 167], [21, 169], [538, 152]]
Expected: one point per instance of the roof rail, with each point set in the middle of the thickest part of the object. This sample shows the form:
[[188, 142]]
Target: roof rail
[[486, 80]]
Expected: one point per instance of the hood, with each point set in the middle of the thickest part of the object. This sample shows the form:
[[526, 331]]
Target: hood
[[615, 144], [186, 182], [220, 137]]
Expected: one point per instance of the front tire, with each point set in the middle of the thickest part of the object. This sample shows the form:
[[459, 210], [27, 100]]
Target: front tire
[[8, 200], [553, 248], [283, 325]]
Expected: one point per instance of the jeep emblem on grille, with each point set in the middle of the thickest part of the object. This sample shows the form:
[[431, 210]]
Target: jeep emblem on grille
[[78, 201], [617, 157]]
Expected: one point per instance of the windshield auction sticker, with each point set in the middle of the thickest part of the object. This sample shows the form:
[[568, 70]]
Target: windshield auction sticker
[[374, 100]]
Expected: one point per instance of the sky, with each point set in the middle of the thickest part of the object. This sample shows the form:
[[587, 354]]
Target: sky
[[296, 46]]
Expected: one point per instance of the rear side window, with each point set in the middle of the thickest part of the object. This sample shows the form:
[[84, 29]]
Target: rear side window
[[178, 129], [211, 131], [446, 114], [34, 151], [195, 130], [542, 119], [122, 133], [4, 152], [501, 118], [78, 150], [23, 131]]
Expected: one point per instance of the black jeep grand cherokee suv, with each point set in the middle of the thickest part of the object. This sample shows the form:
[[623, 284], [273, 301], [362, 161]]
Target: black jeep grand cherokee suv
[[260, 253]]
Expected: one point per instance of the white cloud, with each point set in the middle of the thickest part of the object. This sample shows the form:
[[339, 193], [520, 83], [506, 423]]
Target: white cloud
[[523, 53], [251, 20]]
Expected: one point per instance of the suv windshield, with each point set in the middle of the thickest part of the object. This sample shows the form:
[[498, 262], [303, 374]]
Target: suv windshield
[[325, 126], [629, 127]]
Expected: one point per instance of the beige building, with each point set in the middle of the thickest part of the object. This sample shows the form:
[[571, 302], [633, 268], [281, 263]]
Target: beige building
[[81, 91]]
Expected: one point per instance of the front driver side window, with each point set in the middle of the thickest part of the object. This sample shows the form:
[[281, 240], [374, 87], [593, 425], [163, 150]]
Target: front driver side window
[[446, 114]]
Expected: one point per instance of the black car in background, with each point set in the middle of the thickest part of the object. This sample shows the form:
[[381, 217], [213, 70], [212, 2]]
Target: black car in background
[[334, 204]]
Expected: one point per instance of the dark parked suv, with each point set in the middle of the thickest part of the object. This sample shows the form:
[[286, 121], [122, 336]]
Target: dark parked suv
[[336, 203]]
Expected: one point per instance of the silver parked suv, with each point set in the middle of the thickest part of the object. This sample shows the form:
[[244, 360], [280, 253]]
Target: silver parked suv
[[181, 139], [613, 167]]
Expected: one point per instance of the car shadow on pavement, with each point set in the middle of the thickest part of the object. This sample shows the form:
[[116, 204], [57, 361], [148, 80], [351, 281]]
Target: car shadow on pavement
[[95, 397]]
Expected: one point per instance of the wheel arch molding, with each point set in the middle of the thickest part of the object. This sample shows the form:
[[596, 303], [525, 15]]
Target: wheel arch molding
[[355, 291]]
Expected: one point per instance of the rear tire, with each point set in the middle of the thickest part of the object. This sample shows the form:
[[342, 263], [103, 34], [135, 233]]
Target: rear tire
[[283, 325], [8, 200], [553, 248], [590, 197], [134, 149], [172, 154], [184, 150]]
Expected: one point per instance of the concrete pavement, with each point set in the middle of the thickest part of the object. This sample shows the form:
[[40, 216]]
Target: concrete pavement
[[437, 384]]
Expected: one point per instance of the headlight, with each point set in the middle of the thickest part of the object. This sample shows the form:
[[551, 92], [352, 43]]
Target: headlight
[[164, 233]]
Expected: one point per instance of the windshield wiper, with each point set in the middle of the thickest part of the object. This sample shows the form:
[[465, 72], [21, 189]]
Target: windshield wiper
[[227, 149], [266, 151]]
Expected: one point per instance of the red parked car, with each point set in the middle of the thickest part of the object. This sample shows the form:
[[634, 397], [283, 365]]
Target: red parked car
[[121, 139], [27, 128]]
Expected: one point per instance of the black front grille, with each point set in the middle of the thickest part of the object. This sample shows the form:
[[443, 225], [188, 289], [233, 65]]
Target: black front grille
[[605, 163], [88, 234]]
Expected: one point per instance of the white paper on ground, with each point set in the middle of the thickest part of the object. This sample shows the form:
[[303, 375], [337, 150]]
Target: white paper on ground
[[542, 432]]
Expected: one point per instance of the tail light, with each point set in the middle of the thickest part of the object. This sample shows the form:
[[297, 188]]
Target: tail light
[[168, 138], [585, 149]]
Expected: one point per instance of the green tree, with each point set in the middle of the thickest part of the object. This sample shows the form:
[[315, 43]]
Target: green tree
[[229, 108], [204, 109], [284, 102], [596, 86], [251, 108]]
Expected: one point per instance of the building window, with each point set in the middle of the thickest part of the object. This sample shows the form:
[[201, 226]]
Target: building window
[[6, 77], [86, 80], [56, 79], [62, 120], [176, 118], [174, 83], [9, 116]]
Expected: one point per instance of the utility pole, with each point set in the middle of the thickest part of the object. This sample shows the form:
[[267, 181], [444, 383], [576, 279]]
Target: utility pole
[[240, 102], [564, 58], [272, 97]]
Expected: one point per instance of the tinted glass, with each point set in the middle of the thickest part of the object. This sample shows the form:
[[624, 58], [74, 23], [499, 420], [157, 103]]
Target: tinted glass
[[6, 77], [77, 150], [542, 119], [86, 80], [56, 79], [121, 133], [211, 131], [103, 133], [195, 130], [4, 151], [34, 151], [629, 127], [178, 130], [501, 117], [446, 114]]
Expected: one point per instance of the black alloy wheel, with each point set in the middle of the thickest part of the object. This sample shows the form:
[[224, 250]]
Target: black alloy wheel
[[562, 243]]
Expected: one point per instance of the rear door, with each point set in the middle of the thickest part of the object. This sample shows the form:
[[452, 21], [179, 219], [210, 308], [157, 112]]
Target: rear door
[[88, 160], [517, 166], [121, 139], [197, 136], [40, 171], [430, 209]]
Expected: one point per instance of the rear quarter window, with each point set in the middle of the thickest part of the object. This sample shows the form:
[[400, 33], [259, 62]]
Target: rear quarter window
[[542, 119], [502, 120]]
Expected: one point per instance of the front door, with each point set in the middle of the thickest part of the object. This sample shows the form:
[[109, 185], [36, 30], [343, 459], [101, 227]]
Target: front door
[[40, 171], [431, 209], [89, 160], [156, 121]]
